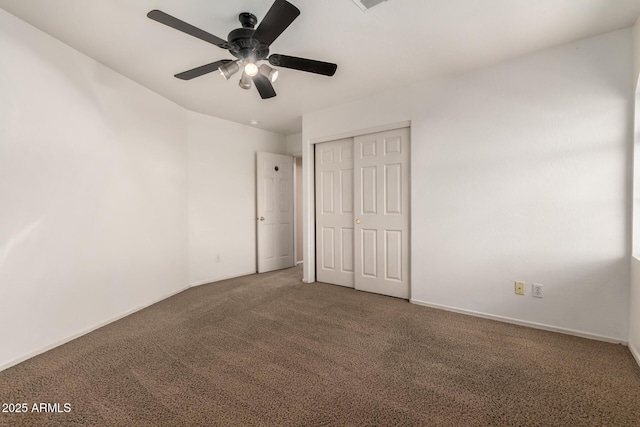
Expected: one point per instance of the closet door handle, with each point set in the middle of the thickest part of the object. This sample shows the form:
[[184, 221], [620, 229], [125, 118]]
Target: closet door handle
[[358, 221], [261, 218]]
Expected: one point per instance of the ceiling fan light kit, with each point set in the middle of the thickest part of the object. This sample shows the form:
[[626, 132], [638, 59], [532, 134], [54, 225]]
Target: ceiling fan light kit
[[250, 45], [250, 68], [229, 69], [245, 81], [268, 72]]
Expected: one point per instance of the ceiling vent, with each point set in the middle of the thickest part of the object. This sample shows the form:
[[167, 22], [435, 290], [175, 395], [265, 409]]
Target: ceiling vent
[[365, 5]]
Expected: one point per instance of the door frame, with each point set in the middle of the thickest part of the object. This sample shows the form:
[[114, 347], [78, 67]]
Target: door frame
[[296, 211], [309, 186]]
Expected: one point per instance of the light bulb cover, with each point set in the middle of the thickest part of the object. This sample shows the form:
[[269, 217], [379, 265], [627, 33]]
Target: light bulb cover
[[251, 69], [229, 69], [245, 81], [268, 72]]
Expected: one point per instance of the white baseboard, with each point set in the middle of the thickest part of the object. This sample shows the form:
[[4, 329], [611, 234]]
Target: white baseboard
[[299, 262], [219, 279], [523, 323], [634, 351], [72, 337]]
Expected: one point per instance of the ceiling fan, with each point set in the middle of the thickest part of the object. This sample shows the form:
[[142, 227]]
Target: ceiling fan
[[250, 46]]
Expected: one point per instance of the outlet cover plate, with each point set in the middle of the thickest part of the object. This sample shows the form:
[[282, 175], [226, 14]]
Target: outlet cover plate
[[520, 288], [536, 290]]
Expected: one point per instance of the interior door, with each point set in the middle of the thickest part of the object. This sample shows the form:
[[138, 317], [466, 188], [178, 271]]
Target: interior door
[[274, 176], [381, 205], [334, 212]]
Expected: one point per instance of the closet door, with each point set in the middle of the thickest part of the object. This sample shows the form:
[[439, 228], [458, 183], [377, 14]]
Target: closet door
[[334, 212], [381, 206]]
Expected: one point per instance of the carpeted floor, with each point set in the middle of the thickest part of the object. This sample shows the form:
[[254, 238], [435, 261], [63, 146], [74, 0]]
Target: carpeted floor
[[270, 350]]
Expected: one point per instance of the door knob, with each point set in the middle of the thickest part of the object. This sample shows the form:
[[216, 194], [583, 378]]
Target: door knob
[[261, 218], [357, 221]]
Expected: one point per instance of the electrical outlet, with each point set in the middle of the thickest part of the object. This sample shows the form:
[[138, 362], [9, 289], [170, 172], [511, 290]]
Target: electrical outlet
[[520, 288], [536, 290]]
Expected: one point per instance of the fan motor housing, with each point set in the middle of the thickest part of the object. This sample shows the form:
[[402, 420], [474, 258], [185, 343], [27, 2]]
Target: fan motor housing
[[242, 44]]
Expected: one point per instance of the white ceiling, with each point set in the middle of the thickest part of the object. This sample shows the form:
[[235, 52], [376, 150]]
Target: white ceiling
[[394, 44]]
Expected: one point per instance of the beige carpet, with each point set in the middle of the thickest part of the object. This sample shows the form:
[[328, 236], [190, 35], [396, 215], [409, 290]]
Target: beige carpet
[[270, 350]]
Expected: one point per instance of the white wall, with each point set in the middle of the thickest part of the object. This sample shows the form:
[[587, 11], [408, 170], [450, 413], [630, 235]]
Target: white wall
[[222, 196], [634, 291], [636, 51], [294, 144], [93, 193], [519, 172]]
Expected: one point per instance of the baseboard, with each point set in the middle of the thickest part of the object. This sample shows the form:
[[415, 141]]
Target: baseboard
[[299, 262], [634, 351], [72, 337], [219, 279], [523, 323]]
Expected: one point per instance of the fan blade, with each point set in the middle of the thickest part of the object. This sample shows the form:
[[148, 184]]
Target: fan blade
[[303, 64], [264, 86], [202, 70], [277, 19], [179, 25]]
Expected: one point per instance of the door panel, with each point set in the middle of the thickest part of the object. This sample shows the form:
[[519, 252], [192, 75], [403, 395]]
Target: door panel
[[393, 249], [274, 177], [369, 253], [327, 192], [347, 249], [393, 187], [367, 147], [328, 248], [381, 171], [285, 239], [369, 189], [269, 241], [346, 190], [334, 212]]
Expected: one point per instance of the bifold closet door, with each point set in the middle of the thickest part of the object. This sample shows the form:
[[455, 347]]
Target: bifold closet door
[[334, 212], [381, 207], [362, 212]]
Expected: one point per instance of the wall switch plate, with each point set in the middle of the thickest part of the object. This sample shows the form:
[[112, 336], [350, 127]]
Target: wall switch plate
[[536, 290], [520, 288]]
